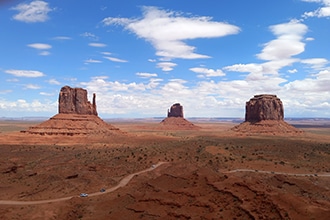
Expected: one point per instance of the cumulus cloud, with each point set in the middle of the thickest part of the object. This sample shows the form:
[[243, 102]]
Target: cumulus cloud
[[204, 72], [166, 66], [288, 42], [35, 11], [146, 75], [25, 73], [114, 59], [167, 31], [323, 11]]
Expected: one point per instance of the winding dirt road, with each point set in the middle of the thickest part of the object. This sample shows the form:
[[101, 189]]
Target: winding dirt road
[[281, 173], [122, 183]]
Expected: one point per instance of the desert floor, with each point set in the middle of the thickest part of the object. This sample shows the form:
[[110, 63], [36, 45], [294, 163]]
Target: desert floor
[[149, 173]]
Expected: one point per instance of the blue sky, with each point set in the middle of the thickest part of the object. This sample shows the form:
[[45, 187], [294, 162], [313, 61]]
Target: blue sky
[[140, 57]]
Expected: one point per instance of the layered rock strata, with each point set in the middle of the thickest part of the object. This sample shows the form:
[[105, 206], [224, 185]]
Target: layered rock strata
[[264, 107], [265, 114], [176, 110], [175, 120], [77, 116], [74, 101]]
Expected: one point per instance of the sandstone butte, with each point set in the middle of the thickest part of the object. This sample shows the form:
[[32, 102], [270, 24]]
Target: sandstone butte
[[77, 116], [265, 114], [175, 120]]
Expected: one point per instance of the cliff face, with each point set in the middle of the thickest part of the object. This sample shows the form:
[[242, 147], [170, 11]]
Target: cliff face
[[74, 101], [176, 110], [264, 107], [264, 114]]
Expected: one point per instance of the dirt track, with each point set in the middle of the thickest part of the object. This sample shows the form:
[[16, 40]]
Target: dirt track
[[122, 183], [280, 173]]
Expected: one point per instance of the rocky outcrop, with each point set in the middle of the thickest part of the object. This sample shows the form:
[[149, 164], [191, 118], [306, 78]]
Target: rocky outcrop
[[175, 120], [74, 101], [264, 114], [264, 107], [77, 116], [176, 110]]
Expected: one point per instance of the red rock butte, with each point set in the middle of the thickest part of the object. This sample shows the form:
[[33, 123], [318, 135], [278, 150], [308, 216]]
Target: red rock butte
[[77, 116], [265, 114], [175, 120]]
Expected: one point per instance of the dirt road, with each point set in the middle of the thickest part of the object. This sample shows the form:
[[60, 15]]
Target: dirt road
[[281, 173], [122, 183]]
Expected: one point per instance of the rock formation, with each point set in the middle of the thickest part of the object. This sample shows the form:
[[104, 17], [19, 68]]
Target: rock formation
[[176, 110], [265, 114], [74, 101], [77, 116], [264, 107], [175, 120]]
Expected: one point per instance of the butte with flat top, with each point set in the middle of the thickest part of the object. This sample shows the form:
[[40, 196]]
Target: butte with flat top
[[264, 114]]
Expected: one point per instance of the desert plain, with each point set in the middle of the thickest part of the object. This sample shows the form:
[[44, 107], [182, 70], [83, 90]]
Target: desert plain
[[152, 173]]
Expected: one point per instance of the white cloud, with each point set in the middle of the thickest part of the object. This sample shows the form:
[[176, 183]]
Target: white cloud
[[167, 31], [106, 53], [251, 67], [288, 42], [5, 91], [54, 82], [323, 11], [92, 61], [40, 46], [292, 71], [146, 75], [90, 36], [35, 11], [61, 38], [46, 94], [315, 63], [25, 73], [204, 72], [114, 59], [97, 45], [166, 66], [31, 86], [44, 53], [309, 39]]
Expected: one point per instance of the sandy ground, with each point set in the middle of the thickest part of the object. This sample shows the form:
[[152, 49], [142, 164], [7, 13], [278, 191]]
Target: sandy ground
[[211, 173]]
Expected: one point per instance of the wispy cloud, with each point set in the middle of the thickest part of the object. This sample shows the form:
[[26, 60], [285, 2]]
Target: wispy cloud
[[92, 61], [146, 75], [90, 36], [5, 91], [40, 46], [35, 11], [54, 82], [167, 31], [62, 38], [31, 86], [97, 45], [25, 73], [323, 11], [114, 59]]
